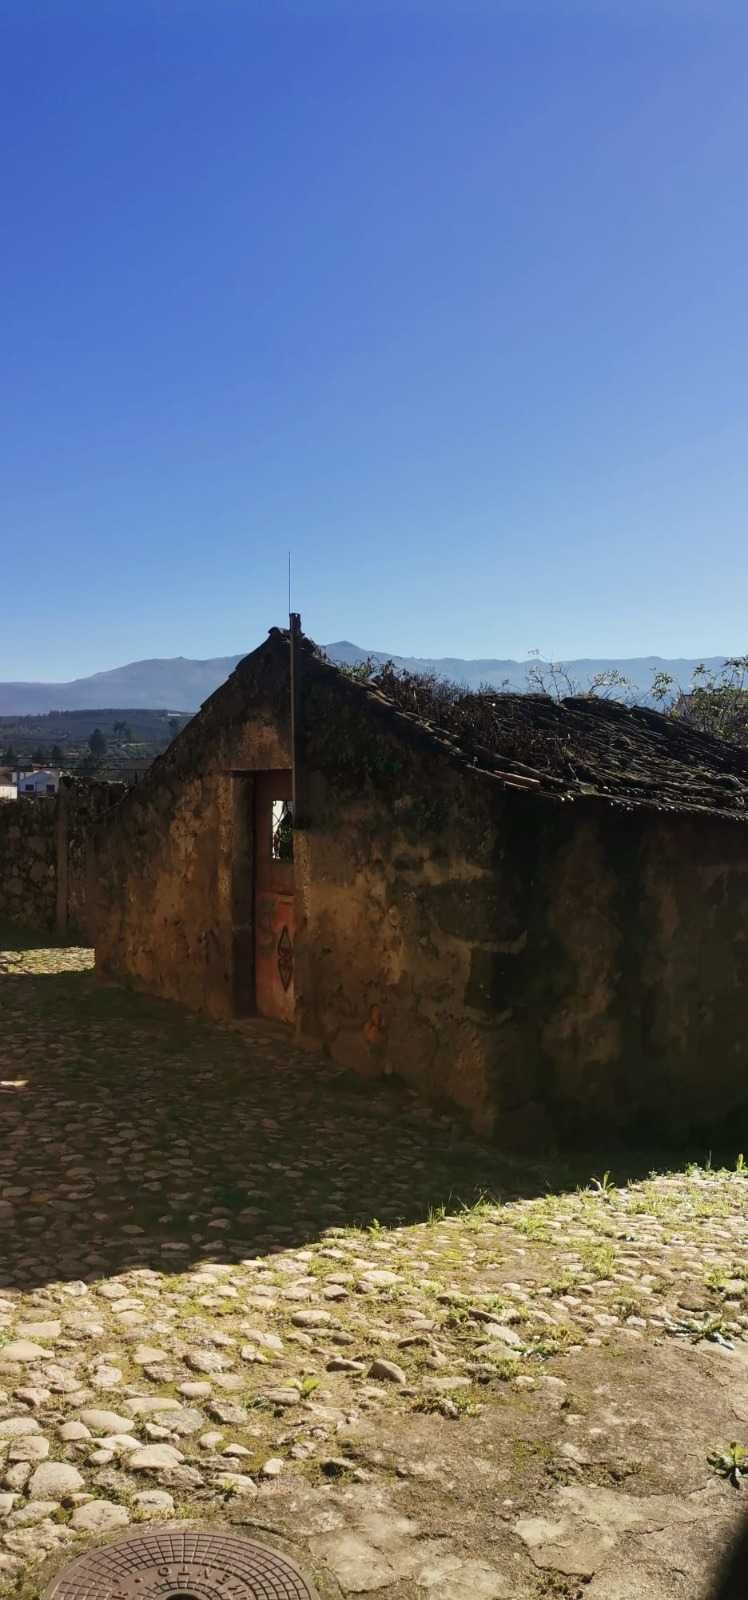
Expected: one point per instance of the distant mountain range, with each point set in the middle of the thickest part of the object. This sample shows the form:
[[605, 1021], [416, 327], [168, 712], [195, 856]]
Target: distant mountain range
[[180, 684]]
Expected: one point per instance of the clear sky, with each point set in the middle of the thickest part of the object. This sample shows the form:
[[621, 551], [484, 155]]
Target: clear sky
[[451, 298]]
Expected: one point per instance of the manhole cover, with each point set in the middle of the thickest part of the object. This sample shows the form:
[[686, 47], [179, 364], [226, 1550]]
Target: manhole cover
[[182, 1565]]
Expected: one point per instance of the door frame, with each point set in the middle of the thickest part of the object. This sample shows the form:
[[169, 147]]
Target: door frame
[[274, 904], [243, 886]]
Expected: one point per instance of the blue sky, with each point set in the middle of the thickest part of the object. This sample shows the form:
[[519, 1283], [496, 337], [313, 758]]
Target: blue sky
[[450, 299]]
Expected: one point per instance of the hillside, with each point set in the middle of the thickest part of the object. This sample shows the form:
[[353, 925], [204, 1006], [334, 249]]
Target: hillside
[[179, 684], [182, 684], [132, 735], [510, 674]]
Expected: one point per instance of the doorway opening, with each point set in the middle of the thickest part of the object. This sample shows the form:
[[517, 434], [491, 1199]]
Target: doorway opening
[[274, 907]]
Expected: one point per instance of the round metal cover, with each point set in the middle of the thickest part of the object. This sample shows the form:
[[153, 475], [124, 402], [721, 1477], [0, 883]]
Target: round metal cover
[[183, 1564]]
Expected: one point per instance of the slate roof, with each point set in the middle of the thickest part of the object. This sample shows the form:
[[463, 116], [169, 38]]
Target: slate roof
[[583, 745], [627, 753]]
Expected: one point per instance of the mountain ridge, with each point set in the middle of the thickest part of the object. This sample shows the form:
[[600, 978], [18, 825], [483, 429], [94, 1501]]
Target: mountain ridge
[[182, 683]]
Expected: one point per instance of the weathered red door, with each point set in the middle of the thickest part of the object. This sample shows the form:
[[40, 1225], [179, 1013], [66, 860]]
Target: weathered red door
[[274, 896]]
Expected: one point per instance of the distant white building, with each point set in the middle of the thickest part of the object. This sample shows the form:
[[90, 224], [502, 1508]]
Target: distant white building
[[8, 791], [44, 781]]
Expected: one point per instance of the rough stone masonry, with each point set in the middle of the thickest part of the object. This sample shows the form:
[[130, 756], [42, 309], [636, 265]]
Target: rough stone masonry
[[45, 866]]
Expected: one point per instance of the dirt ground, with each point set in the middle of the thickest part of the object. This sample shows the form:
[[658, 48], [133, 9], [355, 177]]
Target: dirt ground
[[238, 1287]]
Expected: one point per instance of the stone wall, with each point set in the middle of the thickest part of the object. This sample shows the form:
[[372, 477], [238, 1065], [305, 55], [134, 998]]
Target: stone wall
[[554, 967], [174, 873], [45, 866], [397, 893], [81, 804], [28, 862], [632, 999]]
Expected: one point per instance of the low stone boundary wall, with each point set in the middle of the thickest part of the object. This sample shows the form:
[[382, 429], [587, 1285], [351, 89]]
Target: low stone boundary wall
[[45, 861]]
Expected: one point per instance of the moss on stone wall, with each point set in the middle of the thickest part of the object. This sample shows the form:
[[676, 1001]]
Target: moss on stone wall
[[341, 741]]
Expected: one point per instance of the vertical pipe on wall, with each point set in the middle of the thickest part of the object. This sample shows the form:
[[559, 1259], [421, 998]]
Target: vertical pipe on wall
[[61, 842], [294, 640]]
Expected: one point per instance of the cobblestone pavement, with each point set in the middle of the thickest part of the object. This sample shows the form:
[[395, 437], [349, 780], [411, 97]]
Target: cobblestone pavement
[[237, 1286]]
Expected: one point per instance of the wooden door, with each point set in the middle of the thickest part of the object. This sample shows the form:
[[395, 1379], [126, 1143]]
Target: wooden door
[[274, 896]]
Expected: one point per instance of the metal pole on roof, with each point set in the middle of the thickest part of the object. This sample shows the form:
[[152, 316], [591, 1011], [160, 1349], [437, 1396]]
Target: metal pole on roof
[[294, 637]]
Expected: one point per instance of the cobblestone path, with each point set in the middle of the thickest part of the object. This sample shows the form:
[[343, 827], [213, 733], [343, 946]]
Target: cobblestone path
[[237, 1286]]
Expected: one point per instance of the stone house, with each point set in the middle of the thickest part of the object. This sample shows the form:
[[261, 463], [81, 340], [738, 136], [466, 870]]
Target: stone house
[[540, 916]]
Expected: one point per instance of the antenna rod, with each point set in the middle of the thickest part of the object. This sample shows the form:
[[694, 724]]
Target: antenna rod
[[294, 636]]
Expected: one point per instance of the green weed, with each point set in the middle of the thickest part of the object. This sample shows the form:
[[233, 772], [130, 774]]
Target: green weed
[[603, 1186], [503, 1368], [564, 1283], [599, 1259], [716, 1279], [627, 1306], [730, 1462], [534, 1227], [460, 1403], [714, 1329], [551, 1342]]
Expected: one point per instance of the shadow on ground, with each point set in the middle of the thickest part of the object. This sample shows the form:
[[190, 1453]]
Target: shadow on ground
[[732, 1580], [135, 1134], [415, 1454]]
